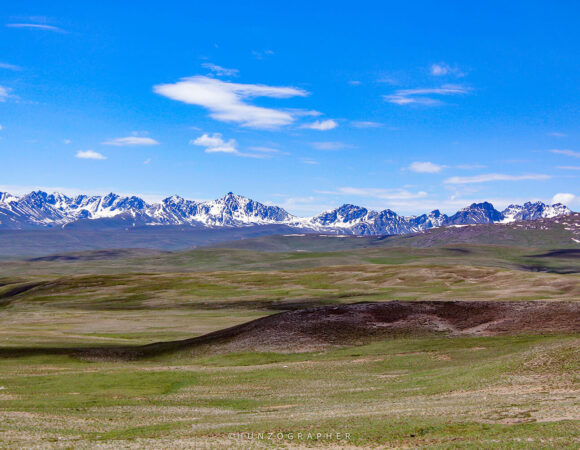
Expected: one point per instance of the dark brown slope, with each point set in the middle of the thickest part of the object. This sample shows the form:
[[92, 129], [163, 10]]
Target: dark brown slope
[[352, 324]]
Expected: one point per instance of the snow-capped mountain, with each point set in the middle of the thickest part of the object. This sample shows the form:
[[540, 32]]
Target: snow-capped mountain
[[39, 209], [230, 210], [532, 211]]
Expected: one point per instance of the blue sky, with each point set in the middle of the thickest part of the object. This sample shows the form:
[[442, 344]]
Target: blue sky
[[404, 105]]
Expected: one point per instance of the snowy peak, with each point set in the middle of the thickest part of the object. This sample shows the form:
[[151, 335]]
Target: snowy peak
[[40, 209], [344, 215], [533, 211], [434, 219]]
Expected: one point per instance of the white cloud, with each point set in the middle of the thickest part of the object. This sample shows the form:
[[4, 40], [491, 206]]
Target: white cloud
[[36, 26], [571, 153], [222, 71], [1, 127], [569, 167], [227, 101], [354, 83], [9, 66], [131, 140], [66, 141], [495, 177], [365, 124], [564, 198], [383, 194], [329, 145], [89, 154], [147, 161], [425, 167], [309, 161], [421, 96], [321, 125], [214, 143], [557, 134]]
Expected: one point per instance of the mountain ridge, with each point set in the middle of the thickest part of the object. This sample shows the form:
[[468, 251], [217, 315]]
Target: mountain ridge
[[39, 209]]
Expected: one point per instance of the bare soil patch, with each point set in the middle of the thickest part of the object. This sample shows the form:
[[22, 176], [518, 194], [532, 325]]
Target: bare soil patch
[[320, 327]]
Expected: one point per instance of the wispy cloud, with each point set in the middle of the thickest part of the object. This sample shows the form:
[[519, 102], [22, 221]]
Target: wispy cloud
[[569, 167], [222, 71], [383, 194], [270, 150], [484, 178], [365, 124], [571, 153], [36, 26], [557, 134], [329, 145], [4, 93], [89, 154], [321, 125], [443, 69], [262, 54], [9, 66], [131, 141], [470, 166], [305, 205], [422, 96], [425, 167], [227, 102], [309, 161]]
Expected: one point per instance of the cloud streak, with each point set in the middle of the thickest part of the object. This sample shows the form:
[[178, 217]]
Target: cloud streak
[[36, 26], [571, 153], [366, 124], [488, 177], [131, 141], [9, 67], [329, 145], [383, 194], [228, 102], [423, 96]]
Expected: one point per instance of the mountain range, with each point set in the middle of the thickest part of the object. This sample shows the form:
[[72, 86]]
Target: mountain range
[[39, 209]]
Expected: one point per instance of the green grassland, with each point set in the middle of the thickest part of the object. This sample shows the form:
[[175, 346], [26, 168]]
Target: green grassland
[[424, 391], [501, 392]]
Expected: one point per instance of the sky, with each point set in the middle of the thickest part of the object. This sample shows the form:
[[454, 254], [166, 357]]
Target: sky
[[308, 105]]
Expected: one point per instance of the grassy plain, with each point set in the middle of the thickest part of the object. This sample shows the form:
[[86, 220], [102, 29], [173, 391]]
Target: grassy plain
[[415, 391]]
